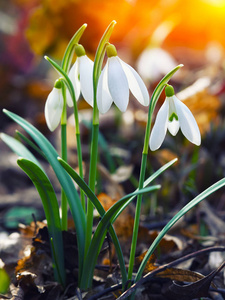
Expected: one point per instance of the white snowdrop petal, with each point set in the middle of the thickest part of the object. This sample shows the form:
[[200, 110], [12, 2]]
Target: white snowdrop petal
[[104, 99], [160, 127], [74, 77], [173, 127], [117, 83], [187, 121], [69, 100], [86, 78], [53, 109], [136, 84]]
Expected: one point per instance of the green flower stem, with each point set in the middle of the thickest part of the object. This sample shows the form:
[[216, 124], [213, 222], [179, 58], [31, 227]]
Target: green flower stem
[[95, 129], [80, 166], [92, 179], [155, 96], [64, 206], [137, 217], [63, 196], [92, 172], [79, 152], [66, 62]]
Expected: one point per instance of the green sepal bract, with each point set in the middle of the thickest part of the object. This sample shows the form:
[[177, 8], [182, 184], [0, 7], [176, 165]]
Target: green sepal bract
[[68, 55]]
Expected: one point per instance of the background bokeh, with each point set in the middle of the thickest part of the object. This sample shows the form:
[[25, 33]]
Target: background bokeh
[[152, 35]]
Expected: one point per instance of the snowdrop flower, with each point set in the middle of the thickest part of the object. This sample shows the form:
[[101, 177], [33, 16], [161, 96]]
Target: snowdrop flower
[[81, 76], [115, 81], [54, 106], [173, 115]]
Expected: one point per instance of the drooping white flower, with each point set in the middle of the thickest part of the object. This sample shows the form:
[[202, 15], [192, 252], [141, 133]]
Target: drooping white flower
[[173, 115], [54, 106], [81, 75], [115, 81]]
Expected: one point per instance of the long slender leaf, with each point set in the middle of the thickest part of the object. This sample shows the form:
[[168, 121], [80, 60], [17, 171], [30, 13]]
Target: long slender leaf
[[30, 143], [147, 181], [99, 235], [51, 209], [82, 184], [180, 214], [18, 148], [64, 179]]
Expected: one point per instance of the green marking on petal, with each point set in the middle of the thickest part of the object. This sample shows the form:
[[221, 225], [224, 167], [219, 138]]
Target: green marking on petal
[[173, 116]]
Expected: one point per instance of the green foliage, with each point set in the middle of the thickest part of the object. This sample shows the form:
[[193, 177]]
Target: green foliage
[[51, 208], [4, 282], [88, 246]]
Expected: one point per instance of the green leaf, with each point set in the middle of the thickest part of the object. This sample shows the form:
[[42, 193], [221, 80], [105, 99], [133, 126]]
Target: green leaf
[[18, 148], [64, 179], [51, 208], [147, 181], [30, 143], [180, 214], [82, 184], [99, 235], [4, 282]]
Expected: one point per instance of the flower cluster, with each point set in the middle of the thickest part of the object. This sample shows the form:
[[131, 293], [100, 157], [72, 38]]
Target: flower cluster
[[117, 79]]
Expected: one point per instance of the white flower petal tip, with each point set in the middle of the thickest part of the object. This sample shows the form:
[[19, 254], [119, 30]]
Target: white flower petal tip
[[54, 108], [173, 115], [115, 81]]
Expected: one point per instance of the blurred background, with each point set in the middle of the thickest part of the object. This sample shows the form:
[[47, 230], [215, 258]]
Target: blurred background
[[151, 35]]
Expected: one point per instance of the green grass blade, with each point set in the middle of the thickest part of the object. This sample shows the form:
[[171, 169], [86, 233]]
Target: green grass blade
[[147, 181], [30, 143], [18, 148], [99, 235], [64, 179], [82, 184], [51, 209], [180, 214]]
